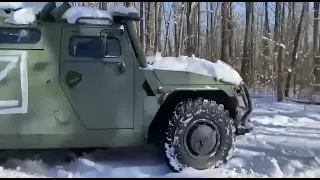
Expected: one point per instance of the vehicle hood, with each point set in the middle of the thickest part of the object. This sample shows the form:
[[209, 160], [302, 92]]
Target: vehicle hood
[[184, 70]]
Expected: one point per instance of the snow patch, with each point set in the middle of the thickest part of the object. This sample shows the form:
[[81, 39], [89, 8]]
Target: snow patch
[[22, 16], [72, 14], [37, 6], [11, 5], [172, 159], [220, 70], [26, 15]]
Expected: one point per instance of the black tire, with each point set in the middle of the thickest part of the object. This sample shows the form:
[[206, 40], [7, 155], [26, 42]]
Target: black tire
[[190, 141]]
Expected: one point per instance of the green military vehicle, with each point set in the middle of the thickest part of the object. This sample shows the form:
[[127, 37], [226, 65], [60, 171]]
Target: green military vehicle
[[88, 84]]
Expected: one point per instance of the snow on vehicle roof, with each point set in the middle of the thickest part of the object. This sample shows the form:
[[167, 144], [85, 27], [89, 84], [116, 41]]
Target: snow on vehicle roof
[[11, 5], [26, 13], [36, 6], [22, 16], [220, 70], [72, 14]]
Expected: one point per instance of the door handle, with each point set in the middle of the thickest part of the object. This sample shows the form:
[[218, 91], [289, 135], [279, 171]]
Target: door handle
[[121, 65]]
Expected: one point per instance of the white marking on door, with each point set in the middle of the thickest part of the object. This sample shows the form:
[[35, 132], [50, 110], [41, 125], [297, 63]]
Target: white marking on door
[[8, 107]]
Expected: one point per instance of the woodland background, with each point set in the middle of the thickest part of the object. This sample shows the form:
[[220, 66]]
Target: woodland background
[[273, 45]]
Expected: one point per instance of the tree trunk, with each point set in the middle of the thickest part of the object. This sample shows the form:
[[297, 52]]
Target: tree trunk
[[142, 30], [199, 30], [160, 16], [127, 4], [181, 31], [295, 48], [280, 55], [316, 60], [212, 30], [215, 21], [208, 49], [224, 34], [251, 49], [176, 30], [294, 31], [231, 32], [266, 48], [149, 24], [245, 66], [194, 30], [189, 30], [305, 44], [306, 32], [276, 36], [156, 36], [167, 22]]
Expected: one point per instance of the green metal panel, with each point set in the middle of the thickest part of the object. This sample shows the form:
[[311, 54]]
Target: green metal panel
[[104, 97], [168, 77], [107, 108]]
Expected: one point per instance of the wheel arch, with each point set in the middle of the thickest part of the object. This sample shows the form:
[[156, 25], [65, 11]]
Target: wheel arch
[[160, 120]]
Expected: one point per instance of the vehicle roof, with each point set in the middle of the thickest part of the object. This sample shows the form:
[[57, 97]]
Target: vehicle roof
[[66, 14]]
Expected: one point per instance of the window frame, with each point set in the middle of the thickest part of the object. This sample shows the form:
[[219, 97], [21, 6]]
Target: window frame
[[70, 46], [28, 28], [39, 45]]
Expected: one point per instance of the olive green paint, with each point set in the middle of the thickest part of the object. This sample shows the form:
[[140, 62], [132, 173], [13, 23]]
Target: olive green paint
[[108, 108]]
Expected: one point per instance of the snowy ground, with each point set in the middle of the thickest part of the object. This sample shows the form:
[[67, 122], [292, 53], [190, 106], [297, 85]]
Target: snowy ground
[[284, 143]]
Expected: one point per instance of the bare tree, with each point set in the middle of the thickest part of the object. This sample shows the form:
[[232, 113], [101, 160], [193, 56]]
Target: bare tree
[[246, 60], [189, 30], [127, 4], [295, 48], [225, 30], [280, 56], [251, 49], [142, 30], [149, 24], [167, 24], [231, 30], [266, 32], [316, 60], [160, 17], [156, 37], [181, 30], [208, 49], [199, 30]]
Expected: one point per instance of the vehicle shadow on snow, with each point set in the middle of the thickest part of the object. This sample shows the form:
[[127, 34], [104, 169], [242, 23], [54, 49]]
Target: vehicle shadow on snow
[[133, 162]]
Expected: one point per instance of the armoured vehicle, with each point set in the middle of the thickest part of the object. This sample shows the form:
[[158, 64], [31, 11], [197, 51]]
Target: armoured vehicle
[[86, 84]]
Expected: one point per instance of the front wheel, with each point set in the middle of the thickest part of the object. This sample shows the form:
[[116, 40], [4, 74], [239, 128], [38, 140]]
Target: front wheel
[[200, 135]]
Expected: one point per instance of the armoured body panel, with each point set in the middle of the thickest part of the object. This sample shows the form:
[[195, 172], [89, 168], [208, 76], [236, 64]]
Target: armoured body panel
[[56, 95]]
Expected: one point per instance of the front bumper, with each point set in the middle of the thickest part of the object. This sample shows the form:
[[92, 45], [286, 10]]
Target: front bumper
[[243, 123]]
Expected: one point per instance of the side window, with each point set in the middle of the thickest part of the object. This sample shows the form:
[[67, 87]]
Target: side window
[[113, 48], [86, 46], [19, 35]]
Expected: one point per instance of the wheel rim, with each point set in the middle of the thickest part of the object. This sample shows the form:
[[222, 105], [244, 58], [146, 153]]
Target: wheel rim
[[202, 139]]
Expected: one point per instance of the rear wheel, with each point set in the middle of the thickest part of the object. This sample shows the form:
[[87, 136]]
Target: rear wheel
[[200, 135]]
